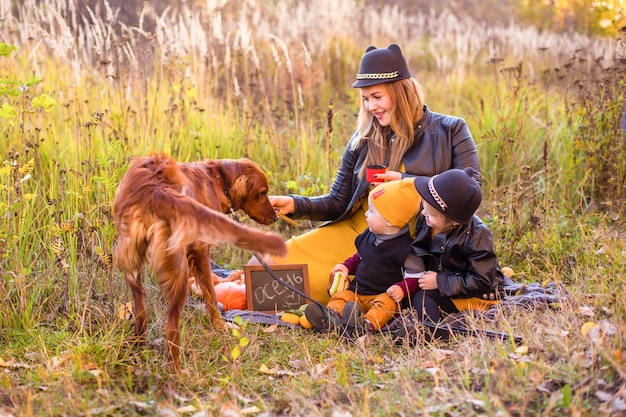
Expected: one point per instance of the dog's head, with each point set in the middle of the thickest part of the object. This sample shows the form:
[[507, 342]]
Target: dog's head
[[248, 187]]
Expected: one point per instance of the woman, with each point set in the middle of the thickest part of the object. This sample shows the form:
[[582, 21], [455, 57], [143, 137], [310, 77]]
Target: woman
[[394, 128]]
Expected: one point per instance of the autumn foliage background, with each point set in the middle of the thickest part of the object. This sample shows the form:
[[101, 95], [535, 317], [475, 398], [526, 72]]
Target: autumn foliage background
[[87, 85]]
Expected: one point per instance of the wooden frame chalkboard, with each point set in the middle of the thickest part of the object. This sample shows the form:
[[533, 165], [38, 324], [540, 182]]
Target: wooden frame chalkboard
[[264, 293]]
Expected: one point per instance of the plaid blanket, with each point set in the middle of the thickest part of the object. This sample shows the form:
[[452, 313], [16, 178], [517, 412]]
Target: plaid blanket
[[533, 296]]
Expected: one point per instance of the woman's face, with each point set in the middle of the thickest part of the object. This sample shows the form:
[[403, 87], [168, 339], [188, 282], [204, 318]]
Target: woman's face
[[377, 101]]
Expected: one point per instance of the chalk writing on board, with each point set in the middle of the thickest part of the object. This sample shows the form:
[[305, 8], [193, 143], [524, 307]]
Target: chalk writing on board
[[275, 290], [264, 293]]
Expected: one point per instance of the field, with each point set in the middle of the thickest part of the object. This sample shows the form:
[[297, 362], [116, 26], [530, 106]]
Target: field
[[82, 93]]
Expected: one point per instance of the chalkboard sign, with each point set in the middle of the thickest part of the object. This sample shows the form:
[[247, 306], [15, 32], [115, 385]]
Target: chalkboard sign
[[264, 293]]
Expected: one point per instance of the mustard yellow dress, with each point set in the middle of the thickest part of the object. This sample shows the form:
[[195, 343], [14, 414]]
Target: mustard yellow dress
[[324, 247]]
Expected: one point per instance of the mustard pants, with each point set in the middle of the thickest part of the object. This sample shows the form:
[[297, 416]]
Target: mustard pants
[[378, 308]]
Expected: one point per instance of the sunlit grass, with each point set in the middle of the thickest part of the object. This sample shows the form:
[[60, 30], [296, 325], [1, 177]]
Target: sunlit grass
[[259, 85]]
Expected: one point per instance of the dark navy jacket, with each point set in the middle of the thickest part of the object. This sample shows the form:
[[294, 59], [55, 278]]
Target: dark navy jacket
[[381, 265]]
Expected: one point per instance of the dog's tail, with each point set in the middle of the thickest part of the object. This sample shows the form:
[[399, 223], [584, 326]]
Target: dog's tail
[[191, 221]]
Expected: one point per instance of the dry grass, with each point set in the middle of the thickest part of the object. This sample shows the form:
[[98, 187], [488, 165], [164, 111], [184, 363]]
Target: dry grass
[[271, 80]]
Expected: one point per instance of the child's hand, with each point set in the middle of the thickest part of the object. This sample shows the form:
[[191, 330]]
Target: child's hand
[[396, 293], [428, 281], [337, 268]]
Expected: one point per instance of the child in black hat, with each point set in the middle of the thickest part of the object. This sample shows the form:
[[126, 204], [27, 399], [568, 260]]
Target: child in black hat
[[462, 270]]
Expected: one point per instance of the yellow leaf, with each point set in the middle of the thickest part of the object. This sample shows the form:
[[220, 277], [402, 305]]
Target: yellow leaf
[[8, 364], [522, 350], [508, 271], [125, 311], [265, 370], [44, 101], [186, 409], [235, 353], [587, 327]]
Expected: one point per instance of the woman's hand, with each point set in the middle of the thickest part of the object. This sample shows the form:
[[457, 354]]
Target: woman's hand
[[283, 204], [389, 176], [396, 293], [428, 281]]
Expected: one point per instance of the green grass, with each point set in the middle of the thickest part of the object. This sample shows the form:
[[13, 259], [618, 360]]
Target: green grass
[[552, 158]]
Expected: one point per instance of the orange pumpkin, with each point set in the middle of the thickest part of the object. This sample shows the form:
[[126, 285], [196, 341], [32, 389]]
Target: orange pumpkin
[[231, 294]]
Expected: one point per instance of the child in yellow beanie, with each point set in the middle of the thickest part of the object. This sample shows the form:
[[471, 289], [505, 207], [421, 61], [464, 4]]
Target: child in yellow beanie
[[383, 261]]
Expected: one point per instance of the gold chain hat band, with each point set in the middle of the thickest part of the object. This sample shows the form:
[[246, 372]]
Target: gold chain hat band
[[435, 194]]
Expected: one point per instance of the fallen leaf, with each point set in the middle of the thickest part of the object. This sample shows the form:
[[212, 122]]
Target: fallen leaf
[[582, 359], [265, 370], [604, 396], [428, 364], [441, 354], [55, 361], [125, 311], [433, 370], [186, 409], [8, 364], [271, 328], [508, 271], [586, 311], [164, 410], [587, 327], [618, 405]]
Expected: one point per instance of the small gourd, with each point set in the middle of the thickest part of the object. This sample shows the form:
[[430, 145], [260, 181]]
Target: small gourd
[[231, 294]]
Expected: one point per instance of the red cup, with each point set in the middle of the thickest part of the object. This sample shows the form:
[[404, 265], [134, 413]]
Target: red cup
[[372, 170]]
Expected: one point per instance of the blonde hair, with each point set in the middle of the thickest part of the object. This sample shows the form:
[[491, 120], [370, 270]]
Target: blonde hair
[[408, 107]]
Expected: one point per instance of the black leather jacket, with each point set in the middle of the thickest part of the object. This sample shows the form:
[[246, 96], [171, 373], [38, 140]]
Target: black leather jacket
[[441, 142], [464, 258]]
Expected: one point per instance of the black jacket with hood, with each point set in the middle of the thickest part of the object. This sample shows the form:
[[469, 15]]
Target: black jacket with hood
[[464, 258]]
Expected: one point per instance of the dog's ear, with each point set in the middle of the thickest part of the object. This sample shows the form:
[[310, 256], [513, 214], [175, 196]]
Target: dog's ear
[[231, 170], [236, 181], [238, 192]]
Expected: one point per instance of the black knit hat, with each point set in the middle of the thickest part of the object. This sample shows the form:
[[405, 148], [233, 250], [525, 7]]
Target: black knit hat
[[455, 193], [381, 65]]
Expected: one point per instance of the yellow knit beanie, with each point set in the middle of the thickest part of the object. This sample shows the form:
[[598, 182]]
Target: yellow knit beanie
[[397, 201]]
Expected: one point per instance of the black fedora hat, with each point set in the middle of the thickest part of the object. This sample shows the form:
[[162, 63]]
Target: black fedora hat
[[381, 65], [455, 193]]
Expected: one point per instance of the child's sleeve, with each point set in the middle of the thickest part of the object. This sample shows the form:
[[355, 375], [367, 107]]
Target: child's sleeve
[[352, 263], [414, 267]]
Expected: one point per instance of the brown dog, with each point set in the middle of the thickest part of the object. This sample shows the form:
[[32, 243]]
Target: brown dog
[[168, 214]]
